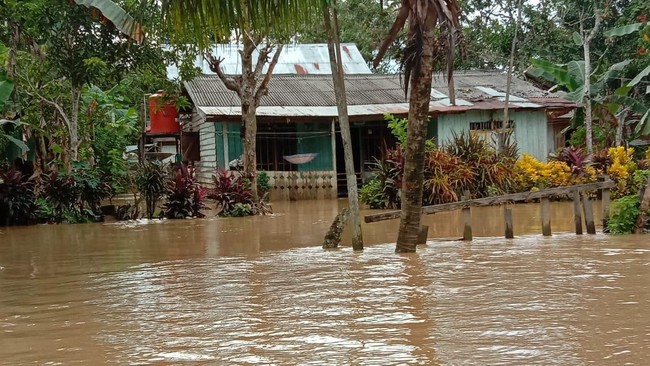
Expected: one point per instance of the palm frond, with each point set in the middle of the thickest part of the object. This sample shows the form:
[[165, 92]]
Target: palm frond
[[211, 19], [446, 15]]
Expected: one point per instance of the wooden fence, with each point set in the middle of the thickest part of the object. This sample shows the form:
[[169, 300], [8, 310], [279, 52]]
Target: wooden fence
[[576, 193]]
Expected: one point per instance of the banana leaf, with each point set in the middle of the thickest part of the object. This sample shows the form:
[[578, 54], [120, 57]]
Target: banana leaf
[[624, 30], [118, 16]]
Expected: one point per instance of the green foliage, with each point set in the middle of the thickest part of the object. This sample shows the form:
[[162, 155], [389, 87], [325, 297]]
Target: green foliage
[[625, 210], [398, 127], [639, 179], [150, 179], [372, 194], [238, 210], [263, 183], [91, 186]]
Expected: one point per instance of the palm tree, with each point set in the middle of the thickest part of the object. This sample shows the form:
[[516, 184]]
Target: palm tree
[[432, 26], [256, 24]]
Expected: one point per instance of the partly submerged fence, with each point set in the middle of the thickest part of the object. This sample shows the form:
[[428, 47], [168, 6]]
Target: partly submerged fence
[[577, 193]]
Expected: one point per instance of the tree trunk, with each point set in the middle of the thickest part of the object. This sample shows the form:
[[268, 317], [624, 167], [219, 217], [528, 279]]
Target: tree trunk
[[250, 158], [418, 117], [587, 100], [248, 108], [586, 42], [74, 123], [506, 116], [334, 48]]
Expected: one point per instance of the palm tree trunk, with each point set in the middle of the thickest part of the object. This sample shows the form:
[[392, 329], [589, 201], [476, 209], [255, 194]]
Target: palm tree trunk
[[334, 48], [418, 117]]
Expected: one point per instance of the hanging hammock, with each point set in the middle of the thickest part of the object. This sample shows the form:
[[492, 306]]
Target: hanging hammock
[[300, 158]]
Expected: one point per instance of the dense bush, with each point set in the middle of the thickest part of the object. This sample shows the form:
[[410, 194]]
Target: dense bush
[[72, 198], [372, 194], [493, 170], [620, 167], [468, 162], [625, 210], [232, 193], [185, 196], [92, 187], [17, 198], [532, 173]]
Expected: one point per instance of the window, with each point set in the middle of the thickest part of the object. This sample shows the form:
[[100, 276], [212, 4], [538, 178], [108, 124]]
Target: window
[[274, 141], [490, 125]]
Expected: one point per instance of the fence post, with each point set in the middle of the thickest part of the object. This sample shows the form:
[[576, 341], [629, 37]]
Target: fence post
[[606, 198], [546, 216], [589, 214], [577, 215], [467, 216], [422, 235], [507, 215]]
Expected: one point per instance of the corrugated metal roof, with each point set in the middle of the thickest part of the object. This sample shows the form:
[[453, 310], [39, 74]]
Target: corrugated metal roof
[[294, 59], [373, 94]]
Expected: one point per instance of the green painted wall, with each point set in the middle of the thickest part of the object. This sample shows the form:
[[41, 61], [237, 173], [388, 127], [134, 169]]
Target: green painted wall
[[315, 138], [218, 144], [530, 128], [311, 138]]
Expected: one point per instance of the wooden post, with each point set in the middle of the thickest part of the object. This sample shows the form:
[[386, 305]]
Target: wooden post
[[467, 218], [338, 79], [333, 236], [577, 215], [589, 214], [546, 216], [606, 198], [422, 237], [507, 215]]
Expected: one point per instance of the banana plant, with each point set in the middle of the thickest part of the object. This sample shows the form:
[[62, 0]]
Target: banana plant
[[642, 123], [6, 88]]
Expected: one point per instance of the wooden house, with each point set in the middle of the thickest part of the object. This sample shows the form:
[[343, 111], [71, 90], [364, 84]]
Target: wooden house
[[299, 143]]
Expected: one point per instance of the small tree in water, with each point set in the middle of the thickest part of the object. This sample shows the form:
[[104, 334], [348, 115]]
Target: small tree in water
[[150, 179]]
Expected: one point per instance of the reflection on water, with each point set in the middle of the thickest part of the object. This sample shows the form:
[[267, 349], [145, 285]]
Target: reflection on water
[[261, 291]]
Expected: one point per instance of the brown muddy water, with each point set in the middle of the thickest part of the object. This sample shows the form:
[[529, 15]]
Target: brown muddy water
[[260, 291]]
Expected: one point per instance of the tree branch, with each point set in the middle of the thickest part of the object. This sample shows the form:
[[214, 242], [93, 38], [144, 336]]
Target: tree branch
[[262, 58], [54, 104], [596, 27], [264, 85], [215, 66]]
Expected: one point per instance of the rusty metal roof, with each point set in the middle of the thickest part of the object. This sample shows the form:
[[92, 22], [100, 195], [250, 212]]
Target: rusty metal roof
[[369, 94], [295, 59]]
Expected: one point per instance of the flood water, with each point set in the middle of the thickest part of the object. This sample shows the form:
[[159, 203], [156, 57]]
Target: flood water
[[261, 291]]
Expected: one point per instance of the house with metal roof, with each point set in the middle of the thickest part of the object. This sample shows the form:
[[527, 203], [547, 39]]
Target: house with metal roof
[[295, 59], [299, 144]]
